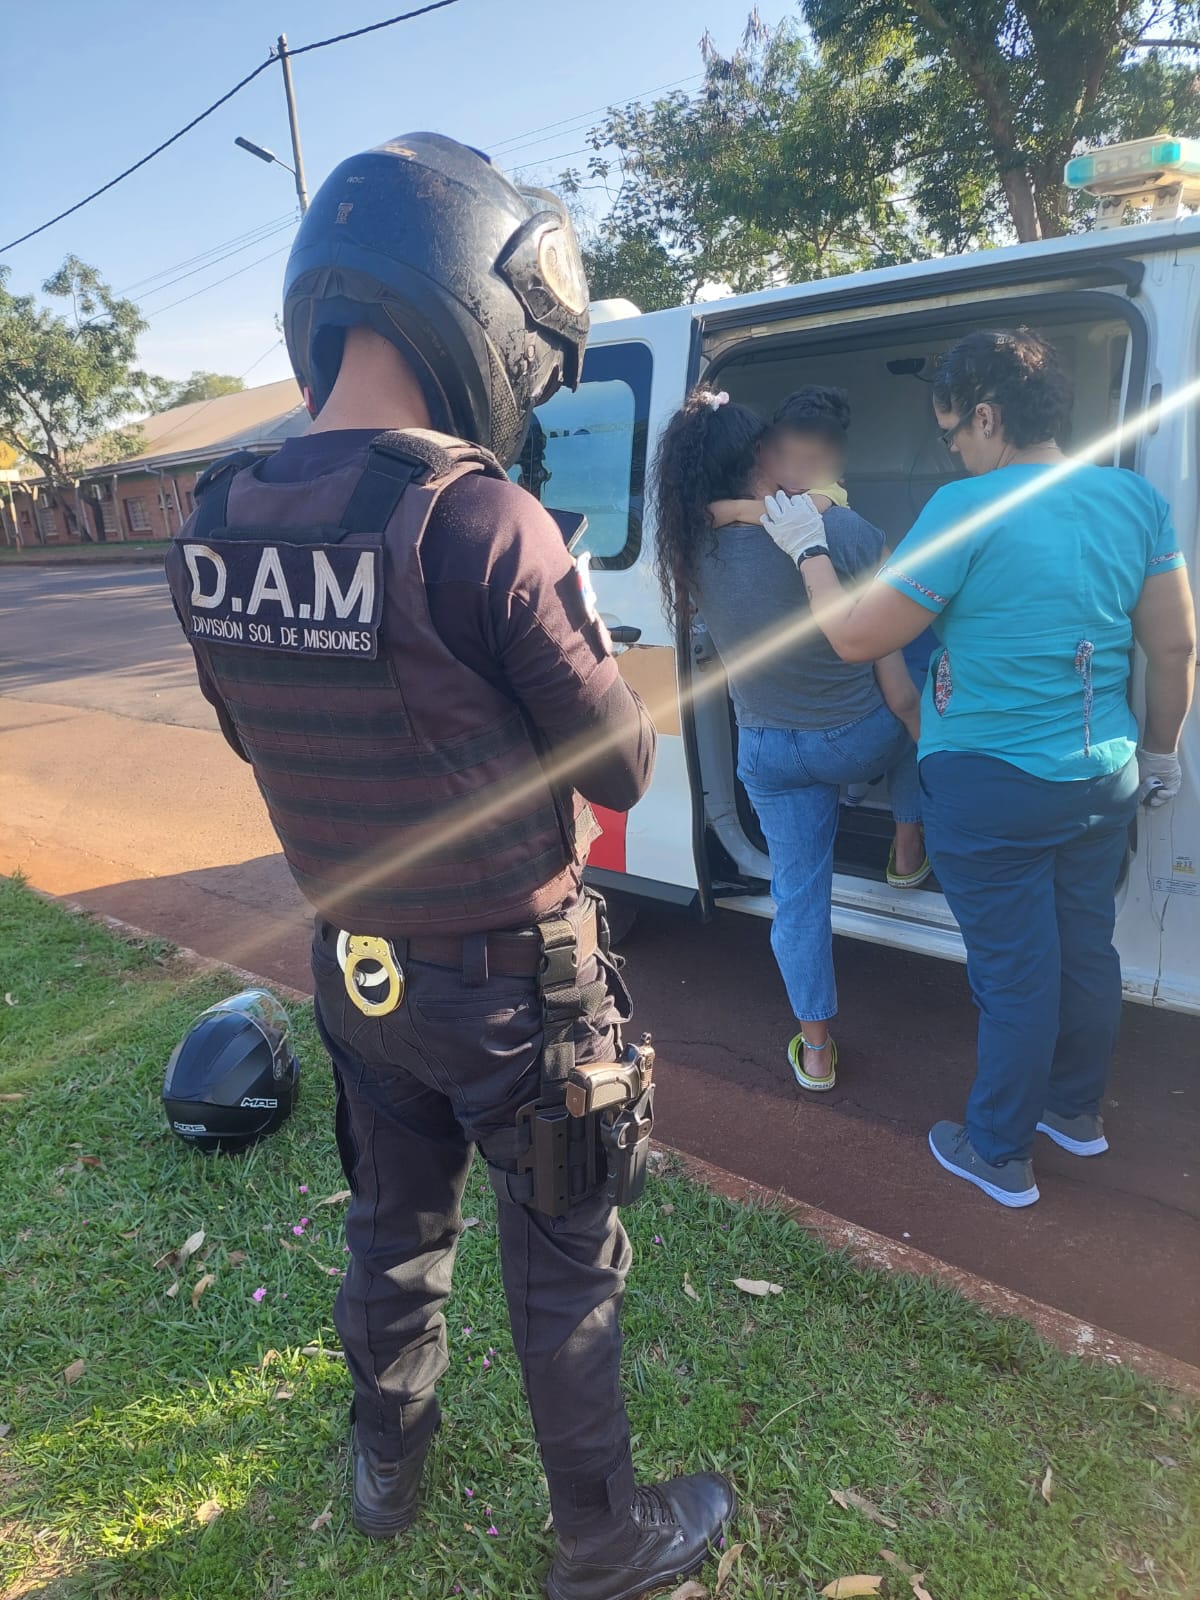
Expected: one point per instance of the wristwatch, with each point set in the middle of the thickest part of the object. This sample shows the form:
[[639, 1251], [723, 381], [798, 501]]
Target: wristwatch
[[813, 550]]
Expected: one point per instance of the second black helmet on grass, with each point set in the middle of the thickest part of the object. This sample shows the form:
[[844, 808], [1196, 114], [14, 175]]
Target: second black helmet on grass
[[477, 281], [232, 1077]]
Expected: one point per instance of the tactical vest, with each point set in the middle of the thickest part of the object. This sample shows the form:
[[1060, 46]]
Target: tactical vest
[[407, 792]]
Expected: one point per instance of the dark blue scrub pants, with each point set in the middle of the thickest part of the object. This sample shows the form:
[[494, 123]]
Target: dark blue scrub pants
[[1030, 870]]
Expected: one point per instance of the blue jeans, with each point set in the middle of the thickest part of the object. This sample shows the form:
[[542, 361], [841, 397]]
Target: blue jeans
[[793, 779], [1030, 869]]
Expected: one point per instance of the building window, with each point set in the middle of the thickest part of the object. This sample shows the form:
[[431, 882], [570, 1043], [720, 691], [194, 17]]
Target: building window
[[137, 516], [47, 522]]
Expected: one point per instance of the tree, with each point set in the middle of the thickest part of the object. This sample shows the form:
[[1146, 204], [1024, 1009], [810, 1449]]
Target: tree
[[779, 169], [67, 380], [1009, 88], [200, 386], [879, 131]]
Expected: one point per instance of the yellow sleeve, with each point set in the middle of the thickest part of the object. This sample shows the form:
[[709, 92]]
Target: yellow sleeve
[[834, 492]]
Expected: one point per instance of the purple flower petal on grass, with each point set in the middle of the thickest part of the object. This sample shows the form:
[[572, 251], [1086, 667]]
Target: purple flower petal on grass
[[470, 1494], [297, 1229], [493, 1532], [303, 1188], [259, 1292]]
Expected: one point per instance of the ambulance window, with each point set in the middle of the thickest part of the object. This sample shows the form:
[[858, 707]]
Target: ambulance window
[[587, 451]]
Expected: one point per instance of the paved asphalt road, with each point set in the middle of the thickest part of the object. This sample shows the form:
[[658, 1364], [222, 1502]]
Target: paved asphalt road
[[116, 789]]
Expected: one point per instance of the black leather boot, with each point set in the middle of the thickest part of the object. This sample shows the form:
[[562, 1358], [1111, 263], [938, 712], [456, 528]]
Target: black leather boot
[[673, 1528], [385, 1492]]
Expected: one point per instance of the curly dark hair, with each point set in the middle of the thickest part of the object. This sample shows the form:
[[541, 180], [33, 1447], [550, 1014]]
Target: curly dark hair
[[816, 409], [705, 453], [1018, 371]]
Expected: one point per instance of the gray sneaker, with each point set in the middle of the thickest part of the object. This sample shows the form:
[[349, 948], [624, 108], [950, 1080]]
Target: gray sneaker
[[1011, 1183], [1082, 1136]]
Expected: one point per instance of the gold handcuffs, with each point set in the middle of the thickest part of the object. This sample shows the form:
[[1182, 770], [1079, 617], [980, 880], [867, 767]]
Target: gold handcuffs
[[368, 963]]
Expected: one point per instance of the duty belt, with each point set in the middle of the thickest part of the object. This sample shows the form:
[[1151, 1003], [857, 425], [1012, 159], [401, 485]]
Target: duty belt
[[374, 968]]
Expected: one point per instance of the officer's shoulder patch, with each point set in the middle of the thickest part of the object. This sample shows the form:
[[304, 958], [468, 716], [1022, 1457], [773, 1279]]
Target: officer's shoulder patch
[[289, 595]]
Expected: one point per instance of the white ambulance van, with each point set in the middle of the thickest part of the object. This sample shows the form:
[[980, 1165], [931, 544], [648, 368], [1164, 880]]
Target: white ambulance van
[[1122, 306]]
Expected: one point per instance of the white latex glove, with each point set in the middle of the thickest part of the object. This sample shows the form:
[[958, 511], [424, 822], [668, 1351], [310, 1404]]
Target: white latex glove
[[794, 523], [1161, 777]]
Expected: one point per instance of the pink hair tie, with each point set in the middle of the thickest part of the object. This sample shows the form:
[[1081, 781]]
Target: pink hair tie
[[716, 401]]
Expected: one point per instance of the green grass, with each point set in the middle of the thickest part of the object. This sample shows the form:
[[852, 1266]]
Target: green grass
[[115, 550], [943, 1417]]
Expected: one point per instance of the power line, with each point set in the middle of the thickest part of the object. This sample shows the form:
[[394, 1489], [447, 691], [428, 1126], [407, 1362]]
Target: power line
[[520, 140], [259, 238], [157, 151], [374, 27], [320, 44], [217, 282], [250, 235], [242, 376]]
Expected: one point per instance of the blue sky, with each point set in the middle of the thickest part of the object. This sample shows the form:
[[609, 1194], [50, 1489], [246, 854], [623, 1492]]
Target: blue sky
[[87, 90]]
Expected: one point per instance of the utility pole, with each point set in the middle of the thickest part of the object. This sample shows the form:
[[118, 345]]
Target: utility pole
[[298, 159]]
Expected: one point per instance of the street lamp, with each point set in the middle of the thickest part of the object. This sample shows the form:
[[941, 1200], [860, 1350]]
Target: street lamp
[[263, 155], [297, 172]]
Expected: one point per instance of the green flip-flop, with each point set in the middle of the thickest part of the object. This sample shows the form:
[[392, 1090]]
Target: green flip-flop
[[796, 1057]]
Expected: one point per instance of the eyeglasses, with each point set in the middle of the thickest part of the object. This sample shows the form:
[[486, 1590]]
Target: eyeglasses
[[948, 435]]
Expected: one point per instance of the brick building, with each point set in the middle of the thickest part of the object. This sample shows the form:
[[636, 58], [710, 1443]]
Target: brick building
[[148, 496]]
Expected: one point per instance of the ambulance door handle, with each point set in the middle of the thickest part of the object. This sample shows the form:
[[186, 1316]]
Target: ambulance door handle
[[624, 634]]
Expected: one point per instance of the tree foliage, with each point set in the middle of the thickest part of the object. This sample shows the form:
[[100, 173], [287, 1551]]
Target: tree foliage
[[873, 131], [200, 386], [69, 378]]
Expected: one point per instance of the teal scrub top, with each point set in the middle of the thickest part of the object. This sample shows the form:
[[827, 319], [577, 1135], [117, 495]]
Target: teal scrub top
[[1032, 575]]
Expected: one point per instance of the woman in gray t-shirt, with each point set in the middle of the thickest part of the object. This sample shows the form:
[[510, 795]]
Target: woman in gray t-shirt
[[808, 722]]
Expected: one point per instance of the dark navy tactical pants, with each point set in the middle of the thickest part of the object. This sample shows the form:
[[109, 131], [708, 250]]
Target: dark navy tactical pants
[[1030, 870], [416, 1091]]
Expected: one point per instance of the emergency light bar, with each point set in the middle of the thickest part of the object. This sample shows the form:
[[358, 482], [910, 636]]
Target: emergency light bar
[[1162, 173]]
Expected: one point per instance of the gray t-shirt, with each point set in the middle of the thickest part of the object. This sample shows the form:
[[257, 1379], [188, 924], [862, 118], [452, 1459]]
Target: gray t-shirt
[[748, 588]]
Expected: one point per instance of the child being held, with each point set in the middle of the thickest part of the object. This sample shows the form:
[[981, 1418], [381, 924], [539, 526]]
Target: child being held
[[805, 453]]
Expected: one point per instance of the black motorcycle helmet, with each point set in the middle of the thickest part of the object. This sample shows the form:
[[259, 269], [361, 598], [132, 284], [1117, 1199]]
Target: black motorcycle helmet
[[232, 1077], [477, 281]]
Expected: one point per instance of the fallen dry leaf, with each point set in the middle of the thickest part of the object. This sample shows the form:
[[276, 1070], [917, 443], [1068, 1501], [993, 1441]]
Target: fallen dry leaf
[[757, 1286], [335, 1199], [1048, 1485], [548, 1524], [288, 1245], [470, 1222], [858, 1583], [191, 1245], [687, 1288], [201, 1284], [271, 1355], [9, 1001], [323, 1520], [208, 1512], [1166, 1461], [851, 1500], [282, 1392], [5, 1429], [320, 1350], [91, 1161], [726, 1565], [920, 1592], [132, 1234], [236, 1257], [75, 1371], [12, 1097], [901, 1566], [173, 1290], [667, 1210], [691, 1590]]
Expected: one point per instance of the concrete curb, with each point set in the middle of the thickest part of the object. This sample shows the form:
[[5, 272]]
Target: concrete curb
[[867, 1249]]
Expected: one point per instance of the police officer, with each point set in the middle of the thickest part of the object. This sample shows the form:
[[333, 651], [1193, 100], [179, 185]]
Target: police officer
[[394, 636]]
